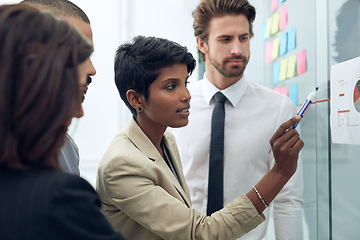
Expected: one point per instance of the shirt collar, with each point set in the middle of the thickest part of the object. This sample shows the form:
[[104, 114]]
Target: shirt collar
[[232, 93]]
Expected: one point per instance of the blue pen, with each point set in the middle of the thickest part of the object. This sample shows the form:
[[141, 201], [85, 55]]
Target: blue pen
[[309, 100]]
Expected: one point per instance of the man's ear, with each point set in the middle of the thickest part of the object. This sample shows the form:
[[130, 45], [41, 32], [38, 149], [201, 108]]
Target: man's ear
[[134, 98], [202, 45]]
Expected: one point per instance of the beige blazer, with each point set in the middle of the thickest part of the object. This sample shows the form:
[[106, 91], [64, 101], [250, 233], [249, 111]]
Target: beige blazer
[[143, 199]]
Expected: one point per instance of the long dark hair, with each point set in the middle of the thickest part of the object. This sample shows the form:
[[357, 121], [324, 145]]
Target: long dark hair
[[39, 86]]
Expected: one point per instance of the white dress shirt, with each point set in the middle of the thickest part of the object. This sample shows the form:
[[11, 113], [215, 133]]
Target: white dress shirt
[[252, 115]]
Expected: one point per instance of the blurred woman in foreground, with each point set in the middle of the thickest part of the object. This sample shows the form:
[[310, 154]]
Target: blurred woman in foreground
[[42, 74]]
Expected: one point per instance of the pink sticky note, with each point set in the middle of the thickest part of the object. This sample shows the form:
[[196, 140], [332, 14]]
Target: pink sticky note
[[284, 91], [277, 89], [268, 56], [283, 18], [301, 62], [274, 5]]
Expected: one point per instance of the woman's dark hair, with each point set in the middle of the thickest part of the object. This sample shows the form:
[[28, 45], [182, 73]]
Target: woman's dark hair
[[139, 63], [39, 85]]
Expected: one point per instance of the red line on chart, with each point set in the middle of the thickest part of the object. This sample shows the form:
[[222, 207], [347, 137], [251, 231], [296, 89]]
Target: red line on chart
[[325, 100], [344, 111]]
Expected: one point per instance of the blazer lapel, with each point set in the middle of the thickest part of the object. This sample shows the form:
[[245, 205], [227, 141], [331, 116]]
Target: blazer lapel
[[143, 143], [173, 150]]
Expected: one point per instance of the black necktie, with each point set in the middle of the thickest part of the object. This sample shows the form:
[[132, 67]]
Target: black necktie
[[216, 160]]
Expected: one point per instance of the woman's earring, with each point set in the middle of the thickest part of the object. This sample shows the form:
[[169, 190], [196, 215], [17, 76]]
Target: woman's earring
[[140, 109]]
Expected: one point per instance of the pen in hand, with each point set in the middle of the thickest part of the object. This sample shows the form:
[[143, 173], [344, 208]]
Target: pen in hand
[[309, 100]]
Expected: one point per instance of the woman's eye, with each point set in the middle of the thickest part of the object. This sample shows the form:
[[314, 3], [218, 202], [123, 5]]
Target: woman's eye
[[171, 86]]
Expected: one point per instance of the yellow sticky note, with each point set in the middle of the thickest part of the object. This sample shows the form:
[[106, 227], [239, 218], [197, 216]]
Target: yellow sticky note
[[283, 69], [292, 67], [268, 28], [275, 23], [276, 47]]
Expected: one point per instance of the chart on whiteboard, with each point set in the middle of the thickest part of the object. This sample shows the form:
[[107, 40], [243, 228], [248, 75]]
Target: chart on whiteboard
[[357, 96], [345, 102]]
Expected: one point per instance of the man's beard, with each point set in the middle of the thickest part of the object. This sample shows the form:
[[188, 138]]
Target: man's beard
[[235, 71]]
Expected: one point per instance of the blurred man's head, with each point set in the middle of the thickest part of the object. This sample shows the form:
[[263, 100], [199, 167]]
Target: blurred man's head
[[70, 12]]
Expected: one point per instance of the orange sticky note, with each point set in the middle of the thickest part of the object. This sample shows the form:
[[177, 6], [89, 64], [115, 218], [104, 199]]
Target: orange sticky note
[[301, 62]]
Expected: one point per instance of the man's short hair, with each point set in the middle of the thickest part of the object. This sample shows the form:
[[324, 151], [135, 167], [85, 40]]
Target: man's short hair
[[61, 8], [208, 9]]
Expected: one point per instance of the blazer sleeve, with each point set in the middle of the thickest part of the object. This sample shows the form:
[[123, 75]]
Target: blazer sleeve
[[134, 186], [73, 212]]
